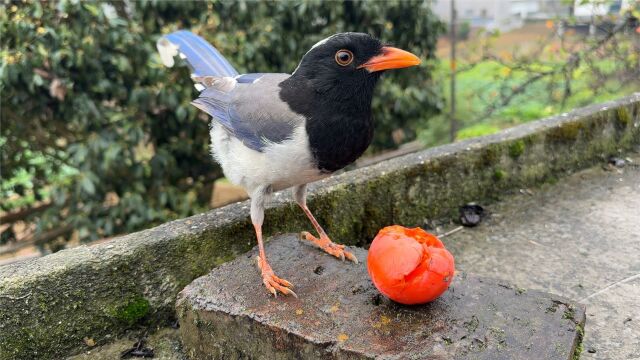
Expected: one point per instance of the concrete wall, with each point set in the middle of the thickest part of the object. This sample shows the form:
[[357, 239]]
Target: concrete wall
[[49, 305]]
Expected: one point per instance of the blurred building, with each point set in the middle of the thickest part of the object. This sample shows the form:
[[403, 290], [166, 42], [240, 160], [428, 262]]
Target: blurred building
[[505, 15], [586, 11]]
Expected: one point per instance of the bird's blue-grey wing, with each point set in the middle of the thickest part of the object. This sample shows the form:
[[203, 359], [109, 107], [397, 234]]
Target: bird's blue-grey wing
[[247, 105], [251, 111]]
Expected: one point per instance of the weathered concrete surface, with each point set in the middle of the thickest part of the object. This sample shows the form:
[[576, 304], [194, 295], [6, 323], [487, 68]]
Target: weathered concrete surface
[[48, 305], [579, 238], [165, 343], [227, 314]]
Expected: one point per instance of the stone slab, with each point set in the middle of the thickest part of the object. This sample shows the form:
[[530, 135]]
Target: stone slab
[[227, 314]]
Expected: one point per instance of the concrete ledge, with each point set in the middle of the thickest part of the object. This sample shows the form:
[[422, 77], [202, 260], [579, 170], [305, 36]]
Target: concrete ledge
[[227, 314], [48, 305]]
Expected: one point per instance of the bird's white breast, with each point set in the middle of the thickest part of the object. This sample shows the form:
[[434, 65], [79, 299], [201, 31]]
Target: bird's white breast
[[280, 165]]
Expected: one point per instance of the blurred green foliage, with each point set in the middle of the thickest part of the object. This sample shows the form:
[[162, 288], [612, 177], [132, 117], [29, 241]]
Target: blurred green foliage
[[92, 122], [478, 87]]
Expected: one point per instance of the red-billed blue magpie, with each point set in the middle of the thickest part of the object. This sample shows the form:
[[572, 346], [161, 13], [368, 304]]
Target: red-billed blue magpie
[[275, 131]]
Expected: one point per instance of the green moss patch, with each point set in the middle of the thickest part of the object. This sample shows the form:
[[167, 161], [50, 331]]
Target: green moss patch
[[567, 132], [516, 148], [132, 311]]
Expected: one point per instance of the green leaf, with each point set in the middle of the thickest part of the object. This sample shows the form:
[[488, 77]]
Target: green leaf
[[87, 185], [181, 113], [91, 8]]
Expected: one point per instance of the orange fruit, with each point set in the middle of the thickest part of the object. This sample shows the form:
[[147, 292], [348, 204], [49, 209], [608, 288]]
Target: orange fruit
[[409, 266]]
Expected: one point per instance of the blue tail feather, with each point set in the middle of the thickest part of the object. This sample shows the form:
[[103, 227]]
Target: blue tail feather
[[201, 56]]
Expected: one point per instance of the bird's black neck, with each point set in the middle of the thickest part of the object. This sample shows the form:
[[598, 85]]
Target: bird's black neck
[[338, 118]]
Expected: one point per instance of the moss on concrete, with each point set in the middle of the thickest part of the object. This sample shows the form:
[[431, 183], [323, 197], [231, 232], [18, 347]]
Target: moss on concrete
[[491, 154], [132, 311], [516, 148], [623, 117], [48, 305], [579, 345], [500, 174], [567, 132]]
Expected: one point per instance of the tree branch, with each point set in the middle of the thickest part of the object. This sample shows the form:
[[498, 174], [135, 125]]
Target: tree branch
[[22, 214], [566, 71], [36, 240]]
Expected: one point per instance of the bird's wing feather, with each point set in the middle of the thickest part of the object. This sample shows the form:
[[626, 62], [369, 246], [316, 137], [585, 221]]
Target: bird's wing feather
[[248, 78], [251, 111], [247, 105]]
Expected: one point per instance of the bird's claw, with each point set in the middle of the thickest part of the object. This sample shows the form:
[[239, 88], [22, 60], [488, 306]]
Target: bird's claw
[[272, 282], [329, 246], [351, 257]]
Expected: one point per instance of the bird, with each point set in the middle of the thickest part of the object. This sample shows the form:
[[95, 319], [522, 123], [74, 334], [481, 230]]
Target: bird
[[274, 131]]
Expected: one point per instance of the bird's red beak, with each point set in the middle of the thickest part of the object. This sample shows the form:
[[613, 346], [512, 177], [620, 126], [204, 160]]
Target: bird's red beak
[[391, 58]]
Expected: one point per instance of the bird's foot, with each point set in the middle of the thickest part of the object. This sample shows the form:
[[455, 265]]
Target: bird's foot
[[272, 282], [329, 246]]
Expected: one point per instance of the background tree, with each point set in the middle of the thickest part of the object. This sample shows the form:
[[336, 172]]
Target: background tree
[[574, 62], [98, 138]]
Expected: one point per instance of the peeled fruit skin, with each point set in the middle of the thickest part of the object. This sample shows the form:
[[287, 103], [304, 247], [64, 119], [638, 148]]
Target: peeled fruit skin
[[409, 266]]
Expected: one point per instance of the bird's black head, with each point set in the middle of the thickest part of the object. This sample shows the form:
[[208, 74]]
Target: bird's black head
[[332, 65], [346, 65], [333, 88]]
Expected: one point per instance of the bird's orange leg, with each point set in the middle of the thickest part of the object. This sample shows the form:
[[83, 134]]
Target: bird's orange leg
[[323, 242], [269, 278]]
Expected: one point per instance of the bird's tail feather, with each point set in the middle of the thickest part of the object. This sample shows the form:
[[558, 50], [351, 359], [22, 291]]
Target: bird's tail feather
[[201, 56]]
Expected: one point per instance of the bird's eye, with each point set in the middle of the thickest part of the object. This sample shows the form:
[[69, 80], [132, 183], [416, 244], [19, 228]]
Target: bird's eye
[[344, 57]]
